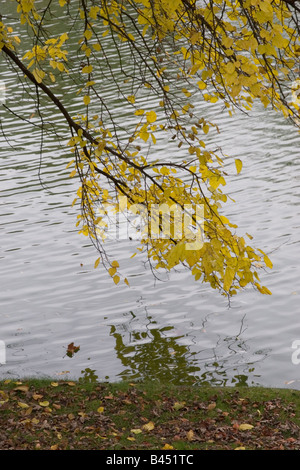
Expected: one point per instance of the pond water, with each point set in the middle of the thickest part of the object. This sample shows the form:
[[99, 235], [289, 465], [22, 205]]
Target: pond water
[[174, 330]]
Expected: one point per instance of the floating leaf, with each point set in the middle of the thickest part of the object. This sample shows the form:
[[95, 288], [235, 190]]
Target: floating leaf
[[72, 349]]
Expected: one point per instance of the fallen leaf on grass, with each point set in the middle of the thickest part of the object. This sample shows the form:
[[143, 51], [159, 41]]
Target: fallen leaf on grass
[[211, 406], [179, 405], [245, 427], [37, 396], [22, 405], [149, 426], [136, 431], [44, 403], [22, 388], [167, 447]]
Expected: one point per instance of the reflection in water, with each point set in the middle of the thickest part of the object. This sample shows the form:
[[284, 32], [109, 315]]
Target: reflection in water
[[159, 353]]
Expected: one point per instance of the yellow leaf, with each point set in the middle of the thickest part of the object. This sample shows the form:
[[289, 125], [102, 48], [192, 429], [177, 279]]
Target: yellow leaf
[[179, 405], [97, 47], [167, 447], [112, 271], [37, 396], [151, 116], [240, 448], [97, 263], [268, 262], [190, 435], [239, 165], [115, 264], [126, 281], [44, 403], [116, 279], [54, 384], [87, 69], [245, 427], [100, 409], [39, 75], [86, 100], [88, 34], [136, 431], [22, 388], [228, 278], [149, 426], [22, 405]]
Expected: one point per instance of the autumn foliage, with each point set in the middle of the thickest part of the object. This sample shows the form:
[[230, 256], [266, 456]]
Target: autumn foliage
[[181, 52]]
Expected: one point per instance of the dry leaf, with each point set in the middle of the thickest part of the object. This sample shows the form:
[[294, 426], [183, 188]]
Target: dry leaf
[[149, 426], [211, 406], [179, 405], [37, 396], [245, 427], [167, 447], [22, 388], [190, 435], [44, 403], [136, 431], [22, 405]]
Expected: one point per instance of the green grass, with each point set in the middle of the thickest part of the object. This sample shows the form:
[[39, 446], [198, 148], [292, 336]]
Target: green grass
[[42, 414]]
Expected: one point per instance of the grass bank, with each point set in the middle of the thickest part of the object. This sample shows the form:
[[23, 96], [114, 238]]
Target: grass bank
[[133, 416]]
